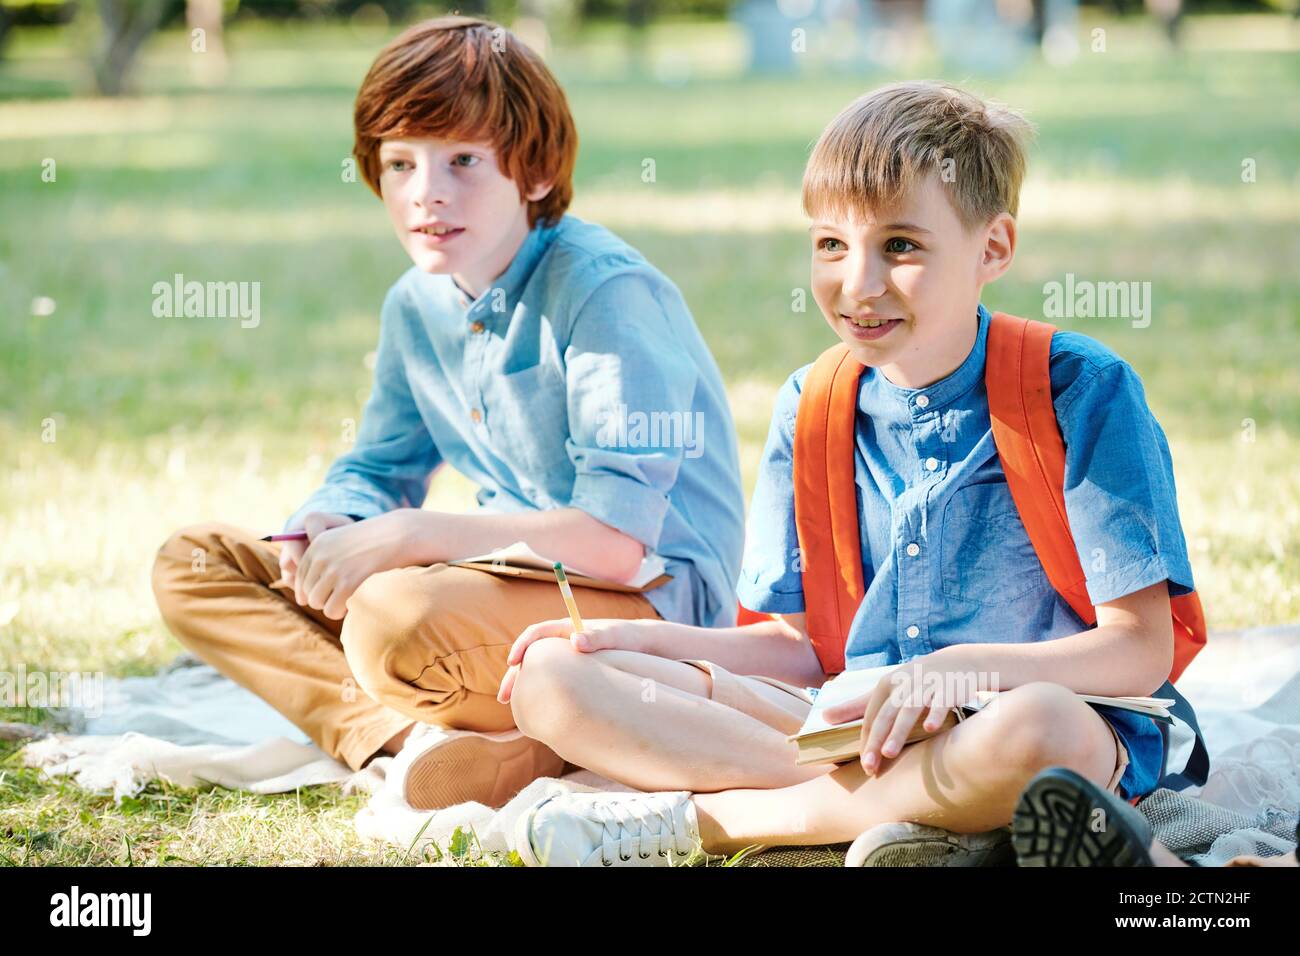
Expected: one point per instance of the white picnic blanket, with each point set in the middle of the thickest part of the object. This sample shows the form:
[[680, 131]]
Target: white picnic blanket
[[189, 724]]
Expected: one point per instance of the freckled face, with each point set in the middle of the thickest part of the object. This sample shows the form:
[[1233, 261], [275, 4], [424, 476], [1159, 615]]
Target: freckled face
[[453, 209]]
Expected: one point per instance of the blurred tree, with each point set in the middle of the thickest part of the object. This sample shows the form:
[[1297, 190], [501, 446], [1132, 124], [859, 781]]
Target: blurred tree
[[124, 26], [205, 20]]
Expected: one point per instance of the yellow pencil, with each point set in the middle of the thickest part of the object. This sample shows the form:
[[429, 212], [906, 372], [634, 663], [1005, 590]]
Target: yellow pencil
[[567, 592]]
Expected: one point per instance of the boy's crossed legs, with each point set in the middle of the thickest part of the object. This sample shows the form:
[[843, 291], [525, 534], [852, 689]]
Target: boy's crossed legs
[[649, 722], [418, 644]]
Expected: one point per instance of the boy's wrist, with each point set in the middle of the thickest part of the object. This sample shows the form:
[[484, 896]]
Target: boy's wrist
[[660, 638], [417, 541]]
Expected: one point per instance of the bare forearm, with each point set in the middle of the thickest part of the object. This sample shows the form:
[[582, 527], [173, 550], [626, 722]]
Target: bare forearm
[[770, 648], [1112, 661], [566, 534]]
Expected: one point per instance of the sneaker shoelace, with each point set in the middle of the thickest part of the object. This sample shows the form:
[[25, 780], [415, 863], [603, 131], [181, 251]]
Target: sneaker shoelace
[[644, 826]]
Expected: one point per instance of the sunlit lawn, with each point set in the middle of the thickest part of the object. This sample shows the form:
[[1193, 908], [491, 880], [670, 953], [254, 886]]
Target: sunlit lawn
[[161, 422]]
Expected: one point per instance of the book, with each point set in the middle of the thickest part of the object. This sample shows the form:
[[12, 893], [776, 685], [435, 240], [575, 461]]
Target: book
[[820, 741], [519, 560]]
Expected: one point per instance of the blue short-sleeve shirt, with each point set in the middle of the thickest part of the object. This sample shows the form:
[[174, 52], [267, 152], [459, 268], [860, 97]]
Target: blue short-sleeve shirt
[[945, 556], [578, 379]]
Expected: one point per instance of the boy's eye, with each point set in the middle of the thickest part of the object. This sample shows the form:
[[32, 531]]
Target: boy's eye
[[823, 244], [465, 159], [899, 246], [393, 164]]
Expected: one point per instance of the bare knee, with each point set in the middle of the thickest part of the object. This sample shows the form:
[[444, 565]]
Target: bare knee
[[547, 696], [1042, 724]]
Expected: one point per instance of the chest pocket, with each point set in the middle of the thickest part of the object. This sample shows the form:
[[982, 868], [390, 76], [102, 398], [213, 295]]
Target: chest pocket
[[985, 552], [528, 419]]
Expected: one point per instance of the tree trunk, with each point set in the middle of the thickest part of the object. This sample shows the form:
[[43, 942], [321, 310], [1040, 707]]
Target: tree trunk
[[210, 61], [126, 25]]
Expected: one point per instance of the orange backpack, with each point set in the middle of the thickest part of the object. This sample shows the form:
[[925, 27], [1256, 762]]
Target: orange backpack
[[1029, 445]]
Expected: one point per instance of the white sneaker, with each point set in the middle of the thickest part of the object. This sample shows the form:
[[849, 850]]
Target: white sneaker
[[439, 768], [610, 829], [916, 844]]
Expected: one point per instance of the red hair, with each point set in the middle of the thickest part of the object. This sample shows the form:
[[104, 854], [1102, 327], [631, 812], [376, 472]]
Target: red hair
[[462, 78]]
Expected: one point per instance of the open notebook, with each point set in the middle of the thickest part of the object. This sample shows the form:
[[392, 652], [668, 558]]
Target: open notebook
[[519, 560], [823, 742]]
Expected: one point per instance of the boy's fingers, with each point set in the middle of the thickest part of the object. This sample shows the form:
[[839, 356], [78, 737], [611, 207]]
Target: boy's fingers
[[867, 758], [875, 731], [935, 718], [507, 684], [903, 725], [848, 710], [337, 605], [585, 641], [535, 632], [301, 579], [319, 593]]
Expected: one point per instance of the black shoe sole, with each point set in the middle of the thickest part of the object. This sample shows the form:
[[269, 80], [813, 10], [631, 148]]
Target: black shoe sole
[[1054, 822]]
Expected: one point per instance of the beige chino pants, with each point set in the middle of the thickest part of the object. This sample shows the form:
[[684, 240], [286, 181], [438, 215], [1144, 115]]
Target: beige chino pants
[[424, 644]]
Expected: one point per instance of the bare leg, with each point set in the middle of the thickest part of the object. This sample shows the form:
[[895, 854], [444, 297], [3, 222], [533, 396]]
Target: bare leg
[[647, 722], [1286, 859], [394, 743], [966, 779]]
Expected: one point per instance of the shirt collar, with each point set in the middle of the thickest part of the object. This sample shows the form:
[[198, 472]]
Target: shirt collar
[[517, 273], [940, 393]]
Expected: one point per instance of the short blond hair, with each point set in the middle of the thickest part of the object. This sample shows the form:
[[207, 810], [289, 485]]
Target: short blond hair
[[887, 141]]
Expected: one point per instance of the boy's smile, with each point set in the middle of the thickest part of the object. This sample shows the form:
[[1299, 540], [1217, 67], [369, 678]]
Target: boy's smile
[[453, 209], [900, 286]]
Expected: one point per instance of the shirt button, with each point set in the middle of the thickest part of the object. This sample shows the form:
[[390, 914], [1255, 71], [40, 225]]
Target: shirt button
[[931, 464], [476, 415], [913, 630], [923, 401], [476, 327], [913, 549]]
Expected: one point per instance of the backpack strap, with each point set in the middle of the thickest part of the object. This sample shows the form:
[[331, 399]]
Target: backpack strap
[[1028, 439], [826, 503], [1029, 443], [1190, 630], [1197, 769]]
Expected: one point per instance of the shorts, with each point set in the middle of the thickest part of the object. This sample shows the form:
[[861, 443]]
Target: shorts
[[784, 707]]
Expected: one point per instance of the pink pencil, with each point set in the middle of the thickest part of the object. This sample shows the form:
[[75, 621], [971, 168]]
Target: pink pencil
[[288, 536]]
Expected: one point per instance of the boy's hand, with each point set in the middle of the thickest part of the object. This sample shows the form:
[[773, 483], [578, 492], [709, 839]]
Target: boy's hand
[[895, 704], [291, 552], [342, 556], [617, 633]]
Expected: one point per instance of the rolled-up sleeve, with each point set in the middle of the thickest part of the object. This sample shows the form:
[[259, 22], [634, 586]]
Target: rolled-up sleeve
[[630, 399], [394, 457], [1119, 487], [771, 577]]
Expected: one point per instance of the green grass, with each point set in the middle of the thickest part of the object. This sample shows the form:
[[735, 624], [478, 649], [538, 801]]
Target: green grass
[[163, 422]]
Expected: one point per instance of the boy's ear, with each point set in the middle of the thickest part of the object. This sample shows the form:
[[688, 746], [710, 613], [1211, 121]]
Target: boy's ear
[[539, 192], [999, 247]]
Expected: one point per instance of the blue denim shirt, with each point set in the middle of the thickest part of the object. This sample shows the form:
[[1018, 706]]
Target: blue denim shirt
[[945, 556], [579, 379]]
